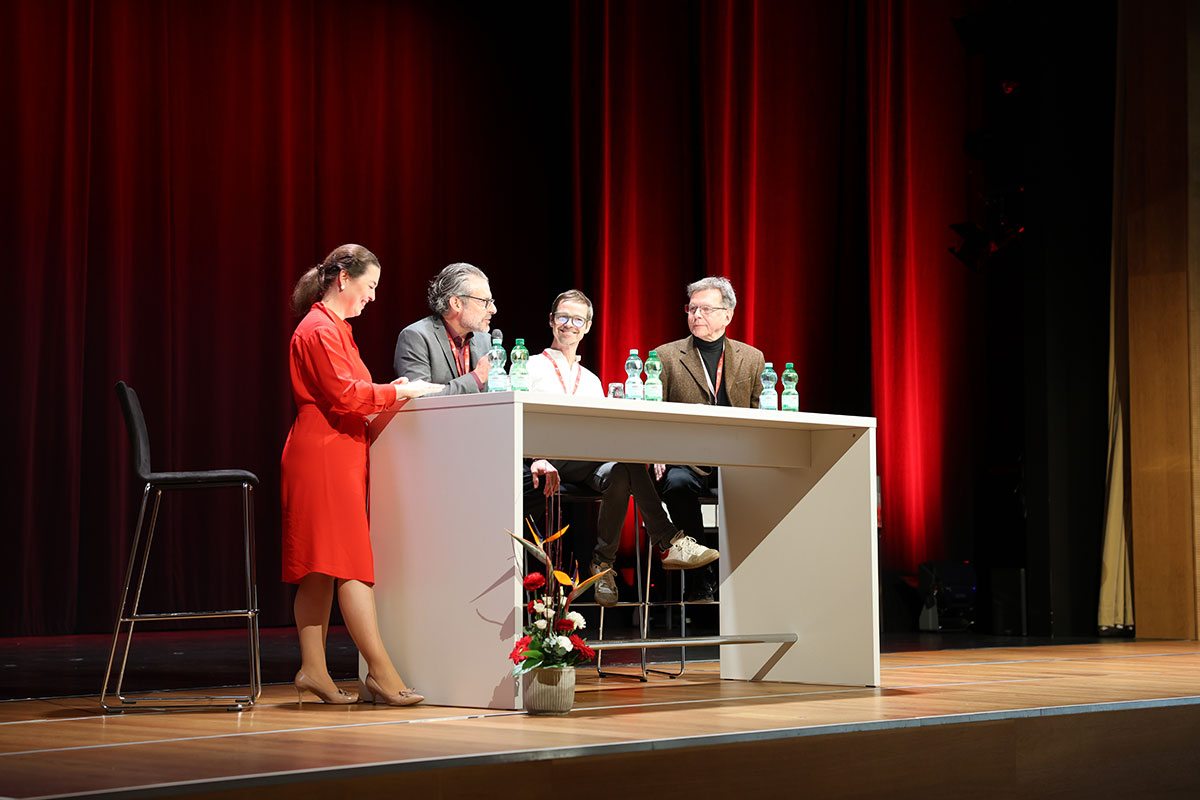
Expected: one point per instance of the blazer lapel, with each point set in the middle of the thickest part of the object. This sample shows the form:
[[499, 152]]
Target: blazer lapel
[[443, 339], [691, 361], [734, 364]]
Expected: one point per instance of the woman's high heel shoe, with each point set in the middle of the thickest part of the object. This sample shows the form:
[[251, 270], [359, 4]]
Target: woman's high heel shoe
[[304, 683], [369, 692]]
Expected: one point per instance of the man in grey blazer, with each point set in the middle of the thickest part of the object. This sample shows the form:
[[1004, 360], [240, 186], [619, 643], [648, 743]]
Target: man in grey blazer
[[706, 367], [450, 345]]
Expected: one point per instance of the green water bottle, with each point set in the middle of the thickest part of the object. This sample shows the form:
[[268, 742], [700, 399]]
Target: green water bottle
[[633, 381], [653, 387], [791, 398], [769, 399], [518, 372]]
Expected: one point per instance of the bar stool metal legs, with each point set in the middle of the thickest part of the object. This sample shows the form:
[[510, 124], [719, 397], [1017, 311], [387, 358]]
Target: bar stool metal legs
[[128, 614]]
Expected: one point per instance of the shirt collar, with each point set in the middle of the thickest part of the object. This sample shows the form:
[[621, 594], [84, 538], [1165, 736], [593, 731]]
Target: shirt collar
[[459, 341], [561, 357]]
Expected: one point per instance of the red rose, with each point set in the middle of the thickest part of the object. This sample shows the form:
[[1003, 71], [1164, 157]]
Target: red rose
[[564, 625], [535, 581], [581, 646], [519, 649], [529, 606]]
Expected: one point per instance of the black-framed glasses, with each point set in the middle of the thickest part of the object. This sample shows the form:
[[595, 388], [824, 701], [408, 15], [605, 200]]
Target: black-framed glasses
[[704, 311], [487, 301], [563, 319]]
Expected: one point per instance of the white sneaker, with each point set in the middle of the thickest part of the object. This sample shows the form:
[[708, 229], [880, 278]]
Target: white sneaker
[[686, 553]]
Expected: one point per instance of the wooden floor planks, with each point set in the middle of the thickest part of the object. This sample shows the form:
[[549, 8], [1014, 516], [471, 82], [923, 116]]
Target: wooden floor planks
[[65, 746]]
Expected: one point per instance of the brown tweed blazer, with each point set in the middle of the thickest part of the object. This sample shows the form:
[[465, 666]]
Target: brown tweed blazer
[[683, 373]]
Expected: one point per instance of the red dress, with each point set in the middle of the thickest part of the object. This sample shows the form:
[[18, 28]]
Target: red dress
[[325, 469]]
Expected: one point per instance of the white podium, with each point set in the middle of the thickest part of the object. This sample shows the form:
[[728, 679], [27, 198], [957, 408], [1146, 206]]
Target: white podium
[[797, 531]]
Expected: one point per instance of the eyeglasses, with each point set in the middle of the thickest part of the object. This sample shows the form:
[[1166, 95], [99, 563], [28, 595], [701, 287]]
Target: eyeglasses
[[487, 301], [563, 319], [704, 311]]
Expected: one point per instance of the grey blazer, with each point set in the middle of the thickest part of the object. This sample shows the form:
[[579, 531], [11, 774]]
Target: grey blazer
[[423, 353]]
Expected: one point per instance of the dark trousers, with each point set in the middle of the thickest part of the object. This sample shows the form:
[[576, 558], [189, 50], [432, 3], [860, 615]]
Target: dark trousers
[[681, 489], [616, 483]]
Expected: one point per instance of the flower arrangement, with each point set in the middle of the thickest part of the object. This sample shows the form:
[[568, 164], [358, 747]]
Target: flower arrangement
[[550, 638]]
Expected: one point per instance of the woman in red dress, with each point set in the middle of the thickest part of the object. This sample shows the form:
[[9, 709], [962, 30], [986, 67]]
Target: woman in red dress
[[324, 474]]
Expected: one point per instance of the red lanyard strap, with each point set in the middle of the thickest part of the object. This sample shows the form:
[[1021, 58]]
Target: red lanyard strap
[[558, 372], [720, 373]]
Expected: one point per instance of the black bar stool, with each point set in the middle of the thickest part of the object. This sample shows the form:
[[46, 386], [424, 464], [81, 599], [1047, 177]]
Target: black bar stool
[[128, 614]]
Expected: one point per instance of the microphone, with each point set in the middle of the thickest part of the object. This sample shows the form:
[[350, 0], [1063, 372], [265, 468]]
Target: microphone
[[497, 336]]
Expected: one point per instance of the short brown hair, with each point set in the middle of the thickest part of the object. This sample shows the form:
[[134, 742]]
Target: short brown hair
[[574, 295]]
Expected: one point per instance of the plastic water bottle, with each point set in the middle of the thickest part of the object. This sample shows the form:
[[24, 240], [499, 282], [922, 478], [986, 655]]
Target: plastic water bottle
[[519, 373], [497, 377], [654, 388], [633, 383], [791, 398], [769, 400]]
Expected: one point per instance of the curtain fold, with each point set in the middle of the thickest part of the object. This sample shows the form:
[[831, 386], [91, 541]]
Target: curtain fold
[[1115, 605], [919, 292]]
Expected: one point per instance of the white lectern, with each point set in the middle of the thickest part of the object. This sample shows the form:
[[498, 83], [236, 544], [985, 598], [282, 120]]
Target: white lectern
[[797, 531]]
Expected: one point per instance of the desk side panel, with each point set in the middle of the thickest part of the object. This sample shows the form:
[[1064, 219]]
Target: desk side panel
[[442, 487], [798, 555]]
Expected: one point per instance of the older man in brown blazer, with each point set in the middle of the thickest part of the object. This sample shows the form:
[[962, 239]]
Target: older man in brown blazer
[[706, 367]]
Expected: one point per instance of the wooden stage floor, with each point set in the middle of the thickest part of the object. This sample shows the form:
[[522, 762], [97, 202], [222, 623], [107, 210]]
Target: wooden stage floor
[[1000, 720]]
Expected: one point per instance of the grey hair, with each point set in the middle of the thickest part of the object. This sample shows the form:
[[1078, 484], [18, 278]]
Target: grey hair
[[450, 282], [728, 298]]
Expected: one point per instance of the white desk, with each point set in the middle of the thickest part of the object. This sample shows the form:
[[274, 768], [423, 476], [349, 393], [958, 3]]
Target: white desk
[[797, 531]]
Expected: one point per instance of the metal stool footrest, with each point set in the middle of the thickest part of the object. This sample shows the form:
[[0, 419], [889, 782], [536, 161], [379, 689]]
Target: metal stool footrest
[[169, 615], [696, 641]]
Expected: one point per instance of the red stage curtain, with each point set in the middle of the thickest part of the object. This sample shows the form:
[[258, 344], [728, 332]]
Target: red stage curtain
[[170, 169], [706, 145], [920, 294]]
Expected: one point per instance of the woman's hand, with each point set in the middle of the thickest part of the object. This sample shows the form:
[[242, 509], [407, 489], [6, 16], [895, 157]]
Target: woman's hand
[[406, 389]]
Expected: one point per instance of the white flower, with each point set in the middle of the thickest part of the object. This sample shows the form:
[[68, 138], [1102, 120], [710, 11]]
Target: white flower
[[577, 619], [564, 643], [548, 612], [539, 607], [540, 624]]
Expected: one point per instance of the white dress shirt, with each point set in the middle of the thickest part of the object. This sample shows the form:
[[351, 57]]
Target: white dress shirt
[[544, 378]]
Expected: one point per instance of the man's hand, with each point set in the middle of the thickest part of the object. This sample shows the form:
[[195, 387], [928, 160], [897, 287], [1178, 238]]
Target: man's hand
[[659, 471], [482, 367], [544, 467]]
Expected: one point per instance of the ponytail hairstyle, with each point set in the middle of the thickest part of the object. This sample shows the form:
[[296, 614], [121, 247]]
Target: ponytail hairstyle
[[313, 284]]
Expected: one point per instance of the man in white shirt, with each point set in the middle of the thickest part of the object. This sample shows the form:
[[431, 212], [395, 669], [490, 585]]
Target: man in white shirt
[[557, 370]]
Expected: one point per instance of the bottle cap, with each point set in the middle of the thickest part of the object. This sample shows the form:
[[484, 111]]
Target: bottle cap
[[633, 351], [654, 354], [520, 341], [768, 365], [789, 364]]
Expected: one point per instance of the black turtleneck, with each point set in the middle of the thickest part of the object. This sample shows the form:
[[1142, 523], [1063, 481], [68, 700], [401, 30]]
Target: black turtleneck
[[710, 354]]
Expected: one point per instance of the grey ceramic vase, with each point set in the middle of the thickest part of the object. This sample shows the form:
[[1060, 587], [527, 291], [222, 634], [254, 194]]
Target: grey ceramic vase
[[549, 691]]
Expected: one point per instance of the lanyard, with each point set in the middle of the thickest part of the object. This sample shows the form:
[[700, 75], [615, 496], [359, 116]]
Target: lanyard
[[558, 372], [720, 373]]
